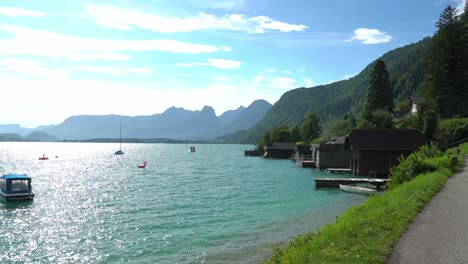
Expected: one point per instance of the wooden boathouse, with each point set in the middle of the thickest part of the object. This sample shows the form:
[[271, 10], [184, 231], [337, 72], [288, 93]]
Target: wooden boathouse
[[377, 150], [331, 155], [303, 156], [279, 150]]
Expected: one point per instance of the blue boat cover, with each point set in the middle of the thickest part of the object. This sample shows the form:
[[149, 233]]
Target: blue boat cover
[[16, 176]]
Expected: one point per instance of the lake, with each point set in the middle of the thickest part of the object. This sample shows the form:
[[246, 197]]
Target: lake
[[210, 206]]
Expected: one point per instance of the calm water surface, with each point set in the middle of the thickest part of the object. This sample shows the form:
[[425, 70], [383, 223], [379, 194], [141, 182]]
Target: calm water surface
[[211, 206]]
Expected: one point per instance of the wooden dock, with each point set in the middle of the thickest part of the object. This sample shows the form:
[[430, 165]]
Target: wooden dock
[[306, 163], [341, 170], [335, 182], [253, 153]]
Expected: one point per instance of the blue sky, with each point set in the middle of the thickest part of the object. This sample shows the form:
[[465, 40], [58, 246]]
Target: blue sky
[[129, 57]]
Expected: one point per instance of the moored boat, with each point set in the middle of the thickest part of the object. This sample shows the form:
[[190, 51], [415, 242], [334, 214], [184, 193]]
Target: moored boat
[[357, 189], [16, 187], [120, 152]]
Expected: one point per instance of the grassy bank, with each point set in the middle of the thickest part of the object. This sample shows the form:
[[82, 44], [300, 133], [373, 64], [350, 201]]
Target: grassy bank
[[366, 233]]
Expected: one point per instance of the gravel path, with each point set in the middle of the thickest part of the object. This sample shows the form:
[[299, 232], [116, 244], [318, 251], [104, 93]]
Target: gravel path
[[439, 234]]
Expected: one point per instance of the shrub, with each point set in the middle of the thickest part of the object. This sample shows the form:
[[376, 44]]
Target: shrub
[[454, 129], [430, 150], [427, 158], [408, 168], [449, 162]]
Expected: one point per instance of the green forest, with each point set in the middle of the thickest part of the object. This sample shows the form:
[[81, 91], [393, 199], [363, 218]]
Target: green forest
[[434, 68]]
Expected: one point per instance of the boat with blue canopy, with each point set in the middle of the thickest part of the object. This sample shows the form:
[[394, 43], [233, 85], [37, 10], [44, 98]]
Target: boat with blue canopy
[[16, 187]]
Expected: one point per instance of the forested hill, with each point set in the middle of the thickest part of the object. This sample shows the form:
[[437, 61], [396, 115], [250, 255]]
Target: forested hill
[[332, 101]]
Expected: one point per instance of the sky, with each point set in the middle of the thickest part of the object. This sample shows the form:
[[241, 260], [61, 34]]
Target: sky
[[128, 57]]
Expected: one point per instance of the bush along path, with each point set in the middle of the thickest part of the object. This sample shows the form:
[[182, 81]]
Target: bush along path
[[366, 233]]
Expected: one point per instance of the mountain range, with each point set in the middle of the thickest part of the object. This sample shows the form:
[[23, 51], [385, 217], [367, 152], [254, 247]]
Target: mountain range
[[247, 124], [335, 100], [174, 123]]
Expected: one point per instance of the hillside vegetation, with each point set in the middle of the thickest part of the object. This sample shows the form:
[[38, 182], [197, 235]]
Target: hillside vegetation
[[332, 101]]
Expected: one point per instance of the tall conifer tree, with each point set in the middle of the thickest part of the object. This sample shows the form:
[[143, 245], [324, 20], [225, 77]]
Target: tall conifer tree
[[444, 81], [311, 128], [379, 93]]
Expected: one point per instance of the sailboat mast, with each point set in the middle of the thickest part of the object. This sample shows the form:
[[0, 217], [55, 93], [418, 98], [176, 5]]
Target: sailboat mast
[[120, 152]]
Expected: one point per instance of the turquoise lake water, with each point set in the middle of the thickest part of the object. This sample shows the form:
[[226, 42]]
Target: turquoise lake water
[[211, 206]]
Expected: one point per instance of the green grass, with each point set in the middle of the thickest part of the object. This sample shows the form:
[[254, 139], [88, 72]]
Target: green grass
[[365, 233], [463, 149]]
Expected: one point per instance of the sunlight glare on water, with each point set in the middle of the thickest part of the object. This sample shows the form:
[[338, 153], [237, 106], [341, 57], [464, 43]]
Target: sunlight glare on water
[[214, 205]]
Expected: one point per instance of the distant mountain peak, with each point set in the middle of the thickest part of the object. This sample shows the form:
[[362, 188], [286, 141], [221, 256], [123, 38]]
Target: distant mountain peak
[[207, 109], [174, 123], [174, 109], [259, 102]]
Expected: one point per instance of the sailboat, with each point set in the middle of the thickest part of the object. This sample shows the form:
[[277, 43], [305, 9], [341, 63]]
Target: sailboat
[[120, 152]]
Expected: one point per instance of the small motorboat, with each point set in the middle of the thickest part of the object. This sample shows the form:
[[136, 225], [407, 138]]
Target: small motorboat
[[16, 187], [192, 149], [357, 189], [142, 166], [43, 157]]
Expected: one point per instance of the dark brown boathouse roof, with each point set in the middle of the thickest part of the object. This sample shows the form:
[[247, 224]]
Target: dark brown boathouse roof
[[284, 145], [385, 139]]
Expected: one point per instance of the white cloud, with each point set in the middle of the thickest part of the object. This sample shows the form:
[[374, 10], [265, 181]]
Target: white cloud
[[221, 78], [116, 71], [123, 19], [220, 4], [38, 70], [268, 23], [217, 63], [108, 56], [279, 82], [460, 7], [370, 36], [28, 41], [225, 64], [30, 68], [19, 12], [307, 82], [272, 81]]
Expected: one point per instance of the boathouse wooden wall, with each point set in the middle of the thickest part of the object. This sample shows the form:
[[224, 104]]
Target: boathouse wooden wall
[[332, 156], [377, 150], [378, 161], [280, 150], [302, 153]]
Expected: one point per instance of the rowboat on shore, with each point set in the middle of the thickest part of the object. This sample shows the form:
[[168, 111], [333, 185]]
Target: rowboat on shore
[[357, 189]]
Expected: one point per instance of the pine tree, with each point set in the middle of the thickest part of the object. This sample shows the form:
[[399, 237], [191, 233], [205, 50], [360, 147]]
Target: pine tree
[[444, 80], [311, 128], [296, 134], [379, 93], [465, 13]]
